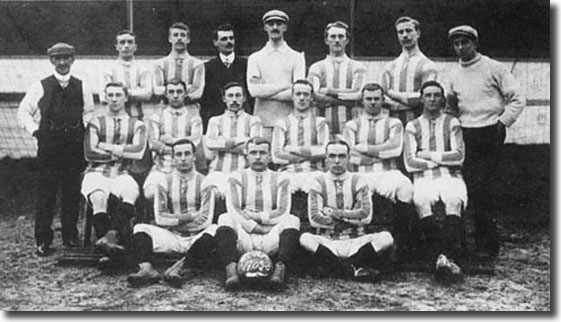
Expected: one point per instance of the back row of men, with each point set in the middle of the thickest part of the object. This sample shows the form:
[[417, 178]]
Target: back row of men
[[482, 93]]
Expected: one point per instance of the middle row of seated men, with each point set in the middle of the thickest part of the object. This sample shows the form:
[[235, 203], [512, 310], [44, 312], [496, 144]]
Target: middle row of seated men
[[258, 200]]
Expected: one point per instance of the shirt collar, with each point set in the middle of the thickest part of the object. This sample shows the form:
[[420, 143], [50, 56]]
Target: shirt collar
[[126, 63], [176, 111], [281, 49], [174, 55], [232, 114], [341, 177], [339, 59], [122, 116], [415, 52], [63, 79], [230, 57], [471, 62], [372, 117]]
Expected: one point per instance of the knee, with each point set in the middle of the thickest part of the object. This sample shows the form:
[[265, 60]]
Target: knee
[[384, 240], [98, 199], [405, 193], [308, 242]]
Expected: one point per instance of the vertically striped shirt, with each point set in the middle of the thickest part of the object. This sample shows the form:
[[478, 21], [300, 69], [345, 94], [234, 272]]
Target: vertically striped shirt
[[184, 196], [340, 74], [258, 198], [442, 137], [309, 133], [172, 123], [137, 80], [347, 193], [123, 131], [384, 137], [226, 135], [405, 75], [185, 67]]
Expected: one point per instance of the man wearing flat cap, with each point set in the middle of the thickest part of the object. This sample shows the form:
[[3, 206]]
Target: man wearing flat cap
[[55, 111], [487, 99], [271, 72]]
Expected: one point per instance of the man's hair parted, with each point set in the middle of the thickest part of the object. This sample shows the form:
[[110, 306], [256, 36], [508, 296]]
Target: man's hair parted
[[117, 84], [223, 27], [179, 25], [403, 19], [371, 87]]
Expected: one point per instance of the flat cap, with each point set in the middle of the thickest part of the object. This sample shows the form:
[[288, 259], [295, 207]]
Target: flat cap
[[61, 49], [463, 30], [275, 15]]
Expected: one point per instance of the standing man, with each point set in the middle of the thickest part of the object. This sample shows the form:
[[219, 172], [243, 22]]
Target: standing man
[[219, 71], [137, 80], [376, 142], [173, 123], [434, 153], [180, 65], [55, 111], [487, 99], [258, 216], [112, 142], [183, 212], [337, 79], [227, 137], [339, 207], [271, 72], [403, 76]]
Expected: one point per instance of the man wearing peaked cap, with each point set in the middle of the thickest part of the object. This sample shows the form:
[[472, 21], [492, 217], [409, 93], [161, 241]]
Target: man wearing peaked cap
[[271, 72], [487, 99], [55, 111], [275, 15]]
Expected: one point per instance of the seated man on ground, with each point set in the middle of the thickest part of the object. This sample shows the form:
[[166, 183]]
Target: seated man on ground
[[183, 211], [112, 141], [227, 136], [258, 217], [339, 207], [299, 145], [434, 152], [376, 142]]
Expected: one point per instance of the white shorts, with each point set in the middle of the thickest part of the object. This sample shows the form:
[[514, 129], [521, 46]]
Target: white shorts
[[220, 181], [267, 243], [165, 241], [452, 192], [347, 248], [301, 181], [387, 183], [156, 178], [117, 186]]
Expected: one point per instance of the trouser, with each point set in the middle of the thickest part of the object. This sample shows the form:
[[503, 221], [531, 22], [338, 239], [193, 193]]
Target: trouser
[[59, 166], [483, 152]]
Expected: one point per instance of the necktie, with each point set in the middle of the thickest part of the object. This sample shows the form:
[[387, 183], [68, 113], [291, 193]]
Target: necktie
[[259, 192], [339, 197], [183, 206], [117, 131], [227, 62], [178, 68]]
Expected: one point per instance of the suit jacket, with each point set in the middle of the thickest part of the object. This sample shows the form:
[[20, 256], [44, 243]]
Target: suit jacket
[[216, 76]]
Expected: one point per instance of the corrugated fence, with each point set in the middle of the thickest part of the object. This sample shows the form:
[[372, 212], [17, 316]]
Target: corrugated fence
[[19, 72]]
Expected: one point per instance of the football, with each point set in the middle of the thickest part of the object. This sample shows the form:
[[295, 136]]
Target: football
[[255, 266]]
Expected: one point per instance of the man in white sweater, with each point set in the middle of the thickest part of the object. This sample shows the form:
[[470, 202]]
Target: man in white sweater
[[487, 99]]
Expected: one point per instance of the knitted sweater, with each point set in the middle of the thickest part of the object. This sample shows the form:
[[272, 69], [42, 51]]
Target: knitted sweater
[[482, 91]]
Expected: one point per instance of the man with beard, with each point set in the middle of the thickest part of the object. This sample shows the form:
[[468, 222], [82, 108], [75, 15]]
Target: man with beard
[[219, 71], [271, 72]]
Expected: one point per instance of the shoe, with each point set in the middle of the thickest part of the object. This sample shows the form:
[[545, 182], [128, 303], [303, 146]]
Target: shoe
[[365, 275], [172, 275], [72, 243], [146, 275], [43, 249], [232, 280], [277, 280], [446, 270], [109, 243]]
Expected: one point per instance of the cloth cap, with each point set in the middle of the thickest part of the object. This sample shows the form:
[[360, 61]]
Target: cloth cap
[[464, 30], [275, 15], [61, 49]]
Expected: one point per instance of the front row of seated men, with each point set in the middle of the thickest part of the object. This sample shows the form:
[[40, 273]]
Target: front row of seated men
[[258, 200]]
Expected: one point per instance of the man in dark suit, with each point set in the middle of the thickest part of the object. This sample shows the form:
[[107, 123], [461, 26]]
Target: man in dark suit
[[227, 67]]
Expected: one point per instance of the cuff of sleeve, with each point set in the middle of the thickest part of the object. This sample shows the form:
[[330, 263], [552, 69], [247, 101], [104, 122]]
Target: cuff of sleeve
[[436, 157]]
